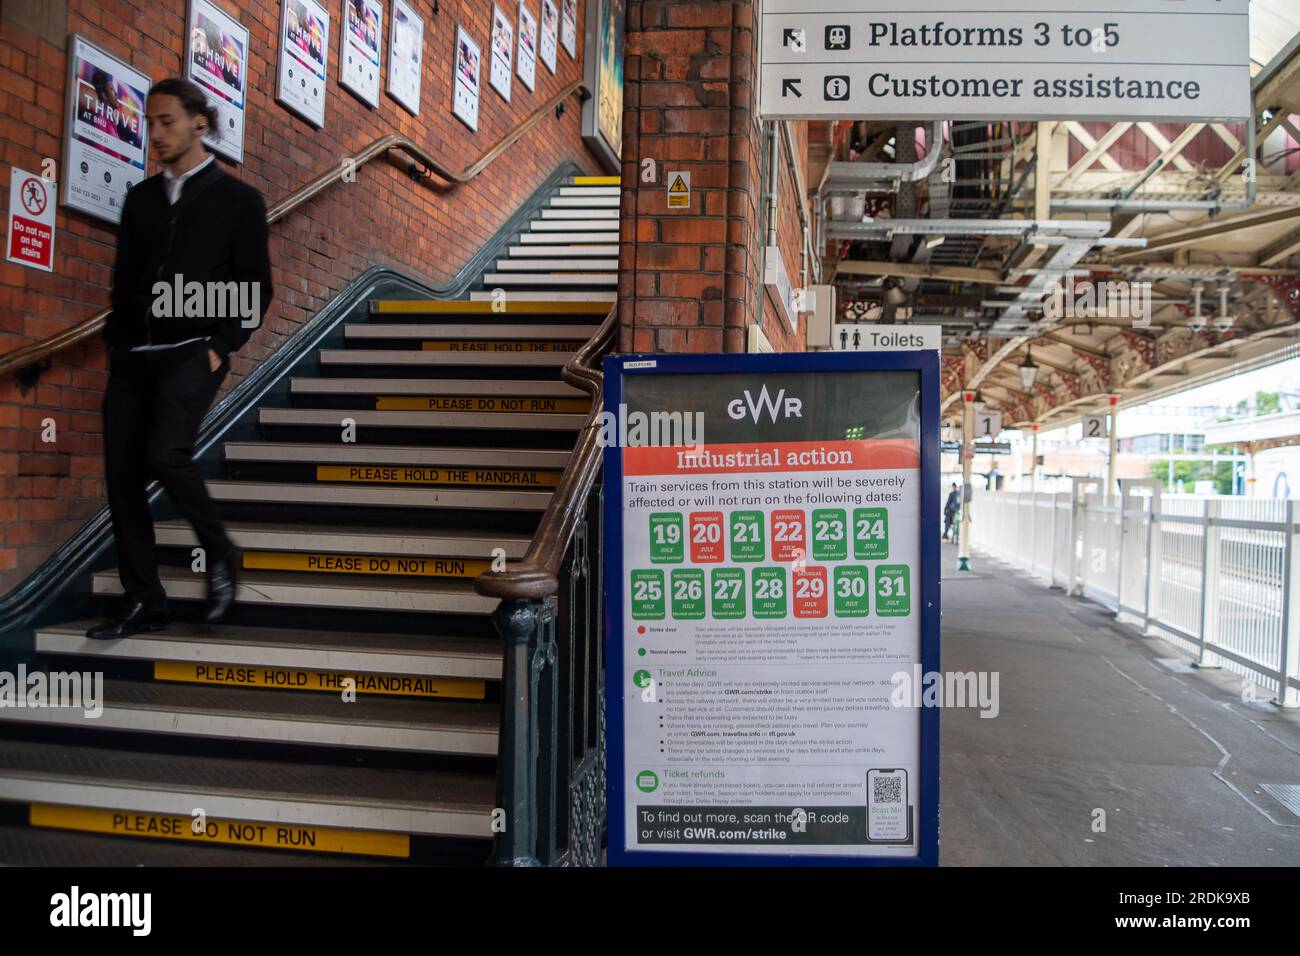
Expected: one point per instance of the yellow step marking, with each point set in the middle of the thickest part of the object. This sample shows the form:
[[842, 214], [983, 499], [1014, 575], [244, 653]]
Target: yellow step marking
[[332, 682], [472, 403], [165, 826], [428, 475], [457, 306], [325, 562], [597, 180], [477, 346]]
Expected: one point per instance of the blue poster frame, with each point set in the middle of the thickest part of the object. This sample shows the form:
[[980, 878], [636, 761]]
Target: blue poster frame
[[615, 367]]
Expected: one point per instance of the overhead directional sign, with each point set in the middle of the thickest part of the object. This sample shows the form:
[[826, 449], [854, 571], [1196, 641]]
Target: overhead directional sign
[[1052, 59]]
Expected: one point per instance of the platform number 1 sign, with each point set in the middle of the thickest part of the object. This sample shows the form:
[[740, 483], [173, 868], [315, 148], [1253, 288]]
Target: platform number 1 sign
[[988, 424]]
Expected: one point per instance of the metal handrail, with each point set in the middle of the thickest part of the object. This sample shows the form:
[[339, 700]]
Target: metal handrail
[[536, 576], [420, 168]]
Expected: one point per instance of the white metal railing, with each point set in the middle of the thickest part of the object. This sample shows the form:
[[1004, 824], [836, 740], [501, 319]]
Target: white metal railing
[[1218, 577]]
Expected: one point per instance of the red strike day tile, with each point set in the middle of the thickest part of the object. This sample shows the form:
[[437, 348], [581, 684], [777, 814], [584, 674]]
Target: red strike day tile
[[810, 592], [789, 536], [706, 537]]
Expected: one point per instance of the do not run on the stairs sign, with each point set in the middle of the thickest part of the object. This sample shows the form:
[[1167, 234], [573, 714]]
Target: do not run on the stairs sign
[[771, 570]]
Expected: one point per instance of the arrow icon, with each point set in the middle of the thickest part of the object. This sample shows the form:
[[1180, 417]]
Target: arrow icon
[[790, 86], [793, 37]]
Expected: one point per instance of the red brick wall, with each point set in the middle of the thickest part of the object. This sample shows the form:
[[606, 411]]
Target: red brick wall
[[690, 279], [47, 490]]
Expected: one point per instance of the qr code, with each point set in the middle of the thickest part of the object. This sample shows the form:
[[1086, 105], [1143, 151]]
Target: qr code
[[886, 789]]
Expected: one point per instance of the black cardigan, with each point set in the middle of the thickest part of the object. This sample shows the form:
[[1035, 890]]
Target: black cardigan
[[215, 233]]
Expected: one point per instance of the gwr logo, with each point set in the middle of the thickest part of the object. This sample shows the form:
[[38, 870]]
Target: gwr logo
[[780, 405]]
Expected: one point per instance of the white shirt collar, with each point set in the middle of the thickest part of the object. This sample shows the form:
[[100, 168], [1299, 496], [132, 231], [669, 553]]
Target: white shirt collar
[[175, 184]]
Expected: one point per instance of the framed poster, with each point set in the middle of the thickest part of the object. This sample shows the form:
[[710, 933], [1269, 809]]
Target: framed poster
[[362, 49], [771, 584], [569, 27], [105, 143], [527, 68], [503, 44], [465, 91], [304, 53], [217, 60], [550, 32], [405, 54], [602, 112]]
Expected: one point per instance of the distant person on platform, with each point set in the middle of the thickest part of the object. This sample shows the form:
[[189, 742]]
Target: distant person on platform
[[950, 509], [190, 223]]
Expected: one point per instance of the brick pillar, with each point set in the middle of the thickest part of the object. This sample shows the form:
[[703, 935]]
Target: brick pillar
[[689, 278]]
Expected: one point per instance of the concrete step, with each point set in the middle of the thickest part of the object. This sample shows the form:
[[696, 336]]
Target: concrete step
[[353, 592], [433, 655], [378, 496], [586, 203], [276, 794], [609, 298], [421, 358], [331, 418], [463, 387], [590, 190], [349, 539], [413, 455], [551, 279], [574, 250], [595, 180], [581, 215], [484, 333], [321, 718], [514, 305], [562, 265], [552, 232]]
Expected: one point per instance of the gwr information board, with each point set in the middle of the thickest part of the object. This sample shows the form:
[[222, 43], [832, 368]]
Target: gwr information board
[[771, 567]]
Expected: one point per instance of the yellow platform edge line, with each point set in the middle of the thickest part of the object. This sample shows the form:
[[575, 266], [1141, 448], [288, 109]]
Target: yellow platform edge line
[[265, 835], [329, 682]]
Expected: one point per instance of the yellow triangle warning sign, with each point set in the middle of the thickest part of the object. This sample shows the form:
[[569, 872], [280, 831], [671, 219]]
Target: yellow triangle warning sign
[[679, 190]]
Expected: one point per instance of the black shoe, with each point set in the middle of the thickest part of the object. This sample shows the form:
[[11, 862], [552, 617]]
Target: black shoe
[[138, 618], [223, 582]]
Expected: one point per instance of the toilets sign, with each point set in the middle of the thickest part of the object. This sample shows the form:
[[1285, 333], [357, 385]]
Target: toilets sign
[[31, 220], [1005, 59]]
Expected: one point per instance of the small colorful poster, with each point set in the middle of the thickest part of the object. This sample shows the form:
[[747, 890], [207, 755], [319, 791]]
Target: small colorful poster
[[406, 52], [503, 43], [527, 68], [105, 143], [304, 54], [362, 52], [217, 58], [569, 27], [550, 32], [466, 92]]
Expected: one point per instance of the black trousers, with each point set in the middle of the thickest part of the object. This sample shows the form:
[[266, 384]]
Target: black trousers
[[153, 405]]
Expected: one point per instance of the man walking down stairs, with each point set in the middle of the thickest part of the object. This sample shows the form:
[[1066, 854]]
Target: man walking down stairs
[[347, 709]]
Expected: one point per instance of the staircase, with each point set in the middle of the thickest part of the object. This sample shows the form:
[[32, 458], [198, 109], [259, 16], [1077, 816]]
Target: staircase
[[348, 709]]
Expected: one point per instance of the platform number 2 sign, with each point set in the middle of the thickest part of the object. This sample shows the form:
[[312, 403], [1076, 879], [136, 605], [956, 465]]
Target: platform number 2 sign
[[1094, 426]]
